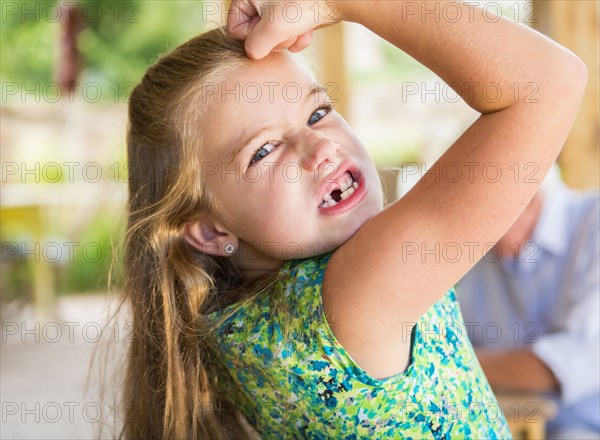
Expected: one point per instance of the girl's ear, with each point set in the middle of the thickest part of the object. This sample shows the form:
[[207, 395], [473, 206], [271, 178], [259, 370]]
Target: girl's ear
[[209, 237]]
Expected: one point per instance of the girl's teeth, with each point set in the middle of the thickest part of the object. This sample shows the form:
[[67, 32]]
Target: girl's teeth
[[328, 204], [347, 193], [328, 201], [346, 184]]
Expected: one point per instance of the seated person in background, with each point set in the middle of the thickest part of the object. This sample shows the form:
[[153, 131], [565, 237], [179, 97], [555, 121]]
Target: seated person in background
[[532, 307]]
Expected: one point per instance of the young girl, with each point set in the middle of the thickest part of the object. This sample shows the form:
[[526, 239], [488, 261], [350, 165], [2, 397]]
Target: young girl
[[266, 281]]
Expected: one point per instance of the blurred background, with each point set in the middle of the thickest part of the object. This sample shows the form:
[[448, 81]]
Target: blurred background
[[66, 71]]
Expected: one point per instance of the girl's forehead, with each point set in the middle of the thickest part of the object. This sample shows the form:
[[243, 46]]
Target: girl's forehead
[[278, 68], [259, 89]]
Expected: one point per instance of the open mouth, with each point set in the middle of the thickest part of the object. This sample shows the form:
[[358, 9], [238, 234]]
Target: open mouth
[[347, 186]]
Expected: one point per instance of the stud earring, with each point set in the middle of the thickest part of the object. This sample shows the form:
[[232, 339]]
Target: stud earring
[[229, 248]]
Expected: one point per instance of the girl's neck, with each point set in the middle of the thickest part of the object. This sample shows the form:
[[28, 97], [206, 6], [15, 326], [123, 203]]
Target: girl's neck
[[253, 264]]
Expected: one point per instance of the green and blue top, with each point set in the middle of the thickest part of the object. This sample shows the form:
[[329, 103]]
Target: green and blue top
[[291, 378]]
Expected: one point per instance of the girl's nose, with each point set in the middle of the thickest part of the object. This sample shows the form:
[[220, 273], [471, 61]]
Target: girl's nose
[[317, 149]]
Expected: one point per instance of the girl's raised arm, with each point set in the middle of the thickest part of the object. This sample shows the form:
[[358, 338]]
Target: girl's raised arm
[[527, 89]]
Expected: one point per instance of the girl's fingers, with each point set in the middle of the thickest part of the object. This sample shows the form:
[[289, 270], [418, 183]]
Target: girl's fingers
[[265, 37], [265, 26], [242, 17], [286, 44], [302, 42]]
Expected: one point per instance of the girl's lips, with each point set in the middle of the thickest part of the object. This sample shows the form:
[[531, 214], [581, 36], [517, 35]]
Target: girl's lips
[[355, 198]]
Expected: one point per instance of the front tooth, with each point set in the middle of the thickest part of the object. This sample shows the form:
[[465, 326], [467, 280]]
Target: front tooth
[[349, 182], [331, 203], [347, 193], [327, 197]]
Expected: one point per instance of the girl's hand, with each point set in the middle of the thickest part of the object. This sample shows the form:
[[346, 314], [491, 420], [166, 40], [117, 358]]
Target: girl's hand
[[268, 25]]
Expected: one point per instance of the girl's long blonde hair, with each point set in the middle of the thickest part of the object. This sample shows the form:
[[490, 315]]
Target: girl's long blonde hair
[[170, 385]]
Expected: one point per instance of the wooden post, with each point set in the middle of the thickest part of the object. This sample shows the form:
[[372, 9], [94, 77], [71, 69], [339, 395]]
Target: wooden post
[[69, 64], [575, 25], [328, 47]]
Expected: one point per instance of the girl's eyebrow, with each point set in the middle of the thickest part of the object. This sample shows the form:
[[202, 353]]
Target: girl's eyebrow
[[314, 89], [247, 141]]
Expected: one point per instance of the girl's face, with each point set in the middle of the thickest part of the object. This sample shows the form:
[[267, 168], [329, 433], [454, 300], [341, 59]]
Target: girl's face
[[290, 177]]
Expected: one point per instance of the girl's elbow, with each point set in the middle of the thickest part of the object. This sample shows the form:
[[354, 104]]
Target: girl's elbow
[[562, 86], [579, 71], [573, 76]]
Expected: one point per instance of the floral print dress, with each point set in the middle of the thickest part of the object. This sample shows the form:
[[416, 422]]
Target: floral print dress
[[291, 378]]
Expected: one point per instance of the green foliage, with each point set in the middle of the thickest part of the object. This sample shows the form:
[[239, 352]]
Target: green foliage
[[97, 256], [84, 266], [118, 50], [28, 44], [16, 278], [119, 40]]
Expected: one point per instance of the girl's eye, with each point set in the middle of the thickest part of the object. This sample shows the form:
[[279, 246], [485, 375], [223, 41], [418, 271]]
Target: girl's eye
[[318, 115], [262, 152]]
